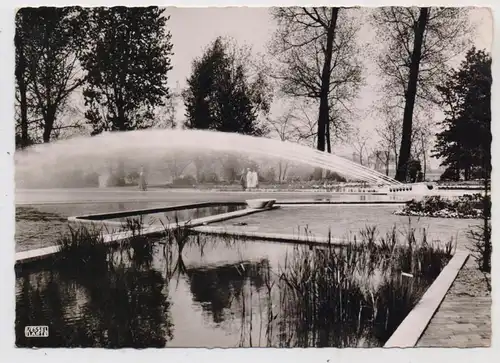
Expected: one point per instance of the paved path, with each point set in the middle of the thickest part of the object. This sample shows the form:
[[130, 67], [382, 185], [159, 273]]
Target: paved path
[[463, 320]]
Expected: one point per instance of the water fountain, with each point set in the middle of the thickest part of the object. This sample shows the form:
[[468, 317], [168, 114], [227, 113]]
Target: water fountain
[[143, 145]]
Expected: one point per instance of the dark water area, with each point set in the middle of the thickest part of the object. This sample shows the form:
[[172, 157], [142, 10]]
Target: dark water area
[[213, 294], [39, 226], [185, 214]]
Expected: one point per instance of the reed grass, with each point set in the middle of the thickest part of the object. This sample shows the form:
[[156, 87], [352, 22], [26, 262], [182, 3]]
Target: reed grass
[[366, 287], [82, 246]]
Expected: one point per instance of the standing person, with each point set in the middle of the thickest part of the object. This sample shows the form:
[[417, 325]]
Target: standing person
[[142, 180], [249, 179], [243, 180]]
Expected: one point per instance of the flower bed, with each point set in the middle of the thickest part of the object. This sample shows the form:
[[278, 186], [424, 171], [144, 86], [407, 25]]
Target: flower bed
[[465, 206]]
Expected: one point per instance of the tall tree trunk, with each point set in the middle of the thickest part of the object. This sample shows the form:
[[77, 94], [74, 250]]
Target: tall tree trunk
[[328, 140], [387, 160], [425, 159], [48, 123], [410, 95], [325, 80], [424, 166], [21, 83]]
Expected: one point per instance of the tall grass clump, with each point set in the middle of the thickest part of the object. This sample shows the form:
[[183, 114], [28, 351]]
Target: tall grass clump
[[82, 247], [138, 245], [357, 294], [176, 233], [480, 235]]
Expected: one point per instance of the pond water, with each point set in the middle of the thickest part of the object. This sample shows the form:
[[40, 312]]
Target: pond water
[[185, 214], [39, 226], [341, 220], [215, 293]]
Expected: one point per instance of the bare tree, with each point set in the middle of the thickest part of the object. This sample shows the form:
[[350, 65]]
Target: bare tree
[[318, 59], [287, 127], [419, 43], [422, 141], [382, 156], [166, 116], [20, 39], [389, 133], [48, 48], [360, 143], [176, 163]]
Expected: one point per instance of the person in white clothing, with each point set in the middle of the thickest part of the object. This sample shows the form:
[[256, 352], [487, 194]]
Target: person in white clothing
[[249, 179]]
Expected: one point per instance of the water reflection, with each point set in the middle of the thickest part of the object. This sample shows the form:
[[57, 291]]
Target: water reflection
[[243, 297], [187, 214], [217, 288], [126, 306]]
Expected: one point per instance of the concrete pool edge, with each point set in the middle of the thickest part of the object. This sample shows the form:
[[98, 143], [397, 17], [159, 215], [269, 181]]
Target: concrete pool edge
[[271, 237], [102, 217], [415, 323]]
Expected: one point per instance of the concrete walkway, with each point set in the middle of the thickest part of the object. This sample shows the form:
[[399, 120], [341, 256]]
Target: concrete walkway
[[463, 320]]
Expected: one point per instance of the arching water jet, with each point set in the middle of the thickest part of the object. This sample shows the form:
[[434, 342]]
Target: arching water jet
[[152, 144]]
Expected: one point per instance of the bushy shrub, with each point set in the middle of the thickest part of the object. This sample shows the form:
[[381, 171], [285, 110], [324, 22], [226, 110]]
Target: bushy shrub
[[210, 177], [466, 206], [450, 174], [91, 179], [332, 175], [133, 178], [187, 180]]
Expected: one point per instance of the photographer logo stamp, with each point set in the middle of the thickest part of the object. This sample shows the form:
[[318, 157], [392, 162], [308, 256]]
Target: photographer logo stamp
[[36, 331]]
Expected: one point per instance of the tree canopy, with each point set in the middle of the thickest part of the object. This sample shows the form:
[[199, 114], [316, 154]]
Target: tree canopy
[[224, 93], [465, 142], [127, 64]]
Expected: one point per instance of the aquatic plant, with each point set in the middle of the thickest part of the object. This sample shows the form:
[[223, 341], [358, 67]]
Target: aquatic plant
[[480, 235], [366, 288], [82, 247], [176, 233], [138, 246]]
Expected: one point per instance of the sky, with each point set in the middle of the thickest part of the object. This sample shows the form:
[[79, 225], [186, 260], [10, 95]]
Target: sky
[[193, 29]]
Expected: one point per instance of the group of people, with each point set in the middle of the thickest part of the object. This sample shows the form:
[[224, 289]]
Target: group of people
[[250, 179]]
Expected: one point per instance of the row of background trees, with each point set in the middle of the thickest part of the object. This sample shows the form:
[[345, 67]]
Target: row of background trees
[[106, 69]]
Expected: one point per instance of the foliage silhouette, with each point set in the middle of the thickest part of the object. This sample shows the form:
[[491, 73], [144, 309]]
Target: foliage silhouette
[[127, 64]]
